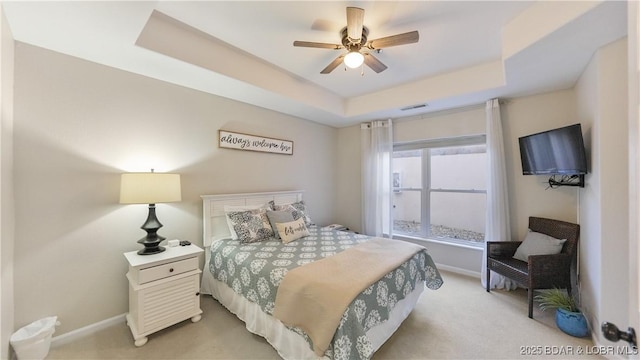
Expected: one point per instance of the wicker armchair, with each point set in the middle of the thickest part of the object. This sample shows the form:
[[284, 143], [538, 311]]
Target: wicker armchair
[[542, 271]]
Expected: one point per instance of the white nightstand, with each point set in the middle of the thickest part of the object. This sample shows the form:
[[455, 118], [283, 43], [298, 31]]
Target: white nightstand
[[164, 289]]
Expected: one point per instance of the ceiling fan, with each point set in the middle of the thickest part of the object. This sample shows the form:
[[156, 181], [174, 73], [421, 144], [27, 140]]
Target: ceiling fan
[[354, 40]]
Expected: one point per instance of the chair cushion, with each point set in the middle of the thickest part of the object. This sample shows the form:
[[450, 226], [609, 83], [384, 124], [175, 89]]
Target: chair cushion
[[538, 244]]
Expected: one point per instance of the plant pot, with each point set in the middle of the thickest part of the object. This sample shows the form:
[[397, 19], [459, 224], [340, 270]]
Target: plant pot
[[572, 323]]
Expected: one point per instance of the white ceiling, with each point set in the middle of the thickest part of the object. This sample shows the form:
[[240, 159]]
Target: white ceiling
[[468, 51]]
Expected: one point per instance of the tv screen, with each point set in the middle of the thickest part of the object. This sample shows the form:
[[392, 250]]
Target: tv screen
[[557, 151]]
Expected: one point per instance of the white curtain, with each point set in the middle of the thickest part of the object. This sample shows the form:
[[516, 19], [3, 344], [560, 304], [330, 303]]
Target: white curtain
[[377, 153], [498, 227]]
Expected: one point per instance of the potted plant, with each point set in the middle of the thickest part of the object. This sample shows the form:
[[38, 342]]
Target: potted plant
[[569, 319]]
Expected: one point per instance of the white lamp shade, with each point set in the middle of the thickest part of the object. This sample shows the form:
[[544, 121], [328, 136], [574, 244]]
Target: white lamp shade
[[353, 59], [149, 188]]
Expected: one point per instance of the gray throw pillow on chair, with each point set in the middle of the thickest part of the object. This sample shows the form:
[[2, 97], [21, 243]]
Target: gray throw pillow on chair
[[538, 244]]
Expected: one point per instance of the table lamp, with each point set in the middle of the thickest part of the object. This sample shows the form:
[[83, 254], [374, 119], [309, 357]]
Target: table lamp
[[150, 188]]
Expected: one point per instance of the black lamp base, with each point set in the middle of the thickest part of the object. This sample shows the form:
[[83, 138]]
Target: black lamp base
[[150, 249], [152, 241]]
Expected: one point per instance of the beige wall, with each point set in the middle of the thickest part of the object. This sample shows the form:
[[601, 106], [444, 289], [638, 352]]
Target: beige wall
[[349, 187], [604, 202], [78, 125], [460, 122], [6, 187], [348, 172], [528, 195], [590, 207]]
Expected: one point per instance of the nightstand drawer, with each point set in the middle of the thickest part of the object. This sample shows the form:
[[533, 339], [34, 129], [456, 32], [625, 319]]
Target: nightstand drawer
[[169, 269]]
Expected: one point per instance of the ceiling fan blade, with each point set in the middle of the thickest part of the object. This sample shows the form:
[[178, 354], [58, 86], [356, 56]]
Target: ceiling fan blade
[[334, 64], [317, 45], [394, 40], [355, 21], [326, 25], [375, 64]]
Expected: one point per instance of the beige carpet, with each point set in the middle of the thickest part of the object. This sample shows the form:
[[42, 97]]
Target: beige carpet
[[458, 321]]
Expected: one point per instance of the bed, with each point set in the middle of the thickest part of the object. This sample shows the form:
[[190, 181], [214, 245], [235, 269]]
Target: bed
[[245, 278]]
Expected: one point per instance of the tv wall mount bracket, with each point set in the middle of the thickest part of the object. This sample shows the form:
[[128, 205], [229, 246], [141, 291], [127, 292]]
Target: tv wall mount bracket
[[566, 180]]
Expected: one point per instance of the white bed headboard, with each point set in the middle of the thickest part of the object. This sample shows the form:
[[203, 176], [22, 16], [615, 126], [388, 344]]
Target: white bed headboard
[[215, 223]]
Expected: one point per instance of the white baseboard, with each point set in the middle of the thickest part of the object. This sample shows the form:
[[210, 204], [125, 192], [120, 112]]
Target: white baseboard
[[458, 270], [95, 327], [87, 330]]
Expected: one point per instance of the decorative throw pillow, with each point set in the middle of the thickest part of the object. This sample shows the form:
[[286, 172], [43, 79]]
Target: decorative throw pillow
[[236, 208], [299, 206], [538, 244], [281, 217], [293, 230], [251, 225]]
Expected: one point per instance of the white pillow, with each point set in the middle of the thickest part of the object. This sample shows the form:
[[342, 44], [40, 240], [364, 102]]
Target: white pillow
[[538, 244], [236, 208], [292, 230]]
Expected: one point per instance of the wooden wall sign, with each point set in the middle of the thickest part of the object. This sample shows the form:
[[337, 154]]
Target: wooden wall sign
[[239, 141]]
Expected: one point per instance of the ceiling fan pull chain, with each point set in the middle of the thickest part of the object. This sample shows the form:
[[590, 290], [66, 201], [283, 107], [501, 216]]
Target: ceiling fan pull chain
[[362, 70]]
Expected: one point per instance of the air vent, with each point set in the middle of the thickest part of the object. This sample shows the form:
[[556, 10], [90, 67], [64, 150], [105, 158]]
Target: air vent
[[413, 107]]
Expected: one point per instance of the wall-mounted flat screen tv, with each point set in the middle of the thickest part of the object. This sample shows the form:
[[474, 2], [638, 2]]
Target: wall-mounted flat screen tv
[[554, 152]]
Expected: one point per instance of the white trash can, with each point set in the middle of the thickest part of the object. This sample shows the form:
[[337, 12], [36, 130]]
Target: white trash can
[[33, 341]]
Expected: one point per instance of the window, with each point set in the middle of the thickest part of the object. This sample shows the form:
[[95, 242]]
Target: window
[[439, 189]]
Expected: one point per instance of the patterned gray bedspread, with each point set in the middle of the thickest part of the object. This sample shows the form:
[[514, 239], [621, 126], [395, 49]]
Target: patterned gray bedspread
[[255, 270]]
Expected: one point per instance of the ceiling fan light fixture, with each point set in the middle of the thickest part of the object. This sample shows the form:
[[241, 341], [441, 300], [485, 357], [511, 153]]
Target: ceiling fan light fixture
[[353, 59], [355, 38]]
